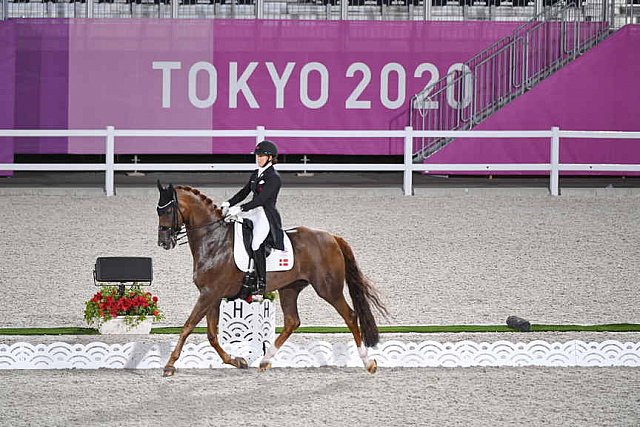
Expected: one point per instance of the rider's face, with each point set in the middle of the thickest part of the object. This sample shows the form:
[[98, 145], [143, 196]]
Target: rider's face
[[261, 160]]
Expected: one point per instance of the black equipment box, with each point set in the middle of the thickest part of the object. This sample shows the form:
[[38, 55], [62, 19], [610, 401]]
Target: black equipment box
[[123, 269]]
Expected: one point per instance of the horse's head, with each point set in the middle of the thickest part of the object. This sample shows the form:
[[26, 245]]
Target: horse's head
[[169, 217]]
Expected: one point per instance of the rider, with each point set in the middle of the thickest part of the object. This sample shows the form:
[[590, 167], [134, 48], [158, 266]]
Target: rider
[[265, 185]]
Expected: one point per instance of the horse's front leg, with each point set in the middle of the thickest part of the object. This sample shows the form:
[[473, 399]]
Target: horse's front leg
[[198, 312], [212, 333], [289, 305]]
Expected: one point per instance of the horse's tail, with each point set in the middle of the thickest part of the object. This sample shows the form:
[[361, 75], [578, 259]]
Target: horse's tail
[[362, 294]]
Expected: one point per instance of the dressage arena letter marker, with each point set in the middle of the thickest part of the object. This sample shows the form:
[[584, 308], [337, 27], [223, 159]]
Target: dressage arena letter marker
[[237, 309], [251, 326]]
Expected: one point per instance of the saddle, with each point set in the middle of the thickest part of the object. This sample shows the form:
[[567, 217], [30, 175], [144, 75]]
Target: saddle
[[277, 260]]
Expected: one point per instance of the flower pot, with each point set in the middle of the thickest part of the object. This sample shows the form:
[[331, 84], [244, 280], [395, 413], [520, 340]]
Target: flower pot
[[119, 326]]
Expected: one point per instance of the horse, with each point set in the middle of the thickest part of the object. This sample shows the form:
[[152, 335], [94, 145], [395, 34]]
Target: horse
[[322, 260]]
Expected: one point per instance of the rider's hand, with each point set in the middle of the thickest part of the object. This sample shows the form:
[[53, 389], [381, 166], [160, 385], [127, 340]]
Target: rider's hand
[[225, 208], [234, 210]]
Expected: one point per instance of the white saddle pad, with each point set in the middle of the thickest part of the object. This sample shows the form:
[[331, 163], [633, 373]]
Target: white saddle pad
[[276, 261]]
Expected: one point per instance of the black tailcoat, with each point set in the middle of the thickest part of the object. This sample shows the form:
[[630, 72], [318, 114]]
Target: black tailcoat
[[265, 189]]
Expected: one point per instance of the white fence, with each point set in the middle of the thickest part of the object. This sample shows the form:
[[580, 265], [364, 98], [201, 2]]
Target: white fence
[[260, 133]]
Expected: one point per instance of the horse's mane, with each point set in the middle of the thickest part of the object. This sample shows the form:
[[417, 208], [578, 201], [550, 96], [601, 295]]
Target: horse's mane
[[205, 200]]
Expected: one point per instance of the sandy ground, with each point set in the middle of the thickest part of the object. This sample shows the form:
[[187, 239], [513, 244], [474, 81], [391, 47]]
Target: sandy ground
[[449, 259], [437, 258], [323, 396]]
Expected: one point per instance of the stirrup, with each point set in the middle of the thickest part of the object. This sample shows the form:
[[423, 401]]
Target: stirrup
[[248, 285], [258, 290], [249, 280]]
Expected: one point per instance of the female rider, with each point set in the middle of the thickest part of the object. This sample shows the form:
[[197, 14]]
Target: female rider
[[265, 185]]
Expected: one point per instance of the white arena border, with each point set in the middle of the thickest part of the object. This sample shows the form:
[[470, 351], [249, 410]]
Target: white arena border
[[134, 355]]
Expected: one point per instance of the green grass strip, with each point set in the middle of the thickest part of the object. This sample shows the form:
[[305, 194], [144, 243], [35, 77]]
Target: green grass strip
[[416, 329]]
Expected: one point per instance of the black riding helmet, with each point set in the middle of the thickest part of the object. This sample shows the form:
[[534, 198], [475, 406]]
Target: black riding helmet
[[266, 148]]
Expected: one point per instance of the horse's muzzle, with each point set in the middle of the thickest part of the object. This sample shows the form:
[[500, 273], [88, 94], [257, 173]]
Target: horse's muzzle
[[167, 246], [166, 239]]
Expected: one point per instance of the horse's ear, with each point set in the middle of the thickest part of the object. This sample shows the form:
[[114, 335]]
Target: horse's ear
[[159, 186]]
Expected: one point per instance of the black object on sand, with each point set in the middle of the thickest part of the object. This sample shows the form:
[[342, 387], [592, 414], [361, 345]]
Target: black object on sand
[[518, 323]]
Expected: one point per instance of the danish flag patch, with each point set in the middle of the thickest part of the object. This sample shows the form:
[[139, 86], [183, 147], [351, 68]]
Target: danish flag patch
[[283, 262]]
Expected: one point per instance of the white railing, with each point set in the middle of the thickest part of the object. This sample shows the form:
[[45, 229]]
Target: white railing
[[554, 167]]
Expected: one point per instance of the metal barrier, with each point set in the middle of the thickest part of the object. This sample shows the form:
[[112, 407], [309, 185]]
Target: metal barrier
[[430, 10], [407, 167], [473, 91]]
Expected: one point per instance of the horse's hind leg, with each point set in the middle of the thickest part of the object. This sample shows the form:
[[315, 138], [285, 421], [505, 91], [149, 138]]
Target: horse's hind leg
[[289, 305], [212, 333], [350, 318]]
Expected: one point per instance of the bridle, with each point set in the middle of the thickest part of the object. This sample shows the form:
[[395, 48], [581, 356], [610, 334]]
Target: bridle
[[178, 231], [175, 230]]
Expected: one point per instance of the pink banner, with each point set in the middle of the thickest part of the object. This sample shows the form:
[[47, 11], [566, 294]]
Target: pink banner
[[7, 91], [238, 74]]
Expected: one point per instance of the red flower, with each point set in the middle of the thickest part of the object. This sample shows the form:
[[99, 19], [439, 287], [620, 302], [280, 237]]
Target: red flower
[[108, 303]]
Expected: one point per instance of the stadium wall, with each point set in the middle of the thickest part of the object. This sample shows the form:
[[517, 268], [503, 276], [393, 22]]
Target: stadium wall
[[235, 74], [7, 91], [598, 91]]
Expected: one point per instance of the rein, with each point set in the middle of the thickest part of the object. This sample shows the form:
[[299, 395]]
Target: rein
[[180, 232], [183, 234]]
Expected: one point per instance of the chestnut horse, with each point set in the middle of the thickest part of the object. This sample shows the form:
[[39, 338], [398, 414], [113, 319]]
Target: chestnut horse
[[322, 260]]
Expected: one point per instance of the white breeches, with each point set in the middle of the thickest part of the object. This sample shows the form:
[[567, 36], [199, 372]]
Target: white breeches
[[260, 225]]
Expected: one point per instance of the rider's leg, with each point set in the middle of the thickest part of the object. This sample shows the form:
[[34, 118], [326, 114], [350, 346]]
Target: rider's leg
[[260, 258], [260, 233], [248, 283]]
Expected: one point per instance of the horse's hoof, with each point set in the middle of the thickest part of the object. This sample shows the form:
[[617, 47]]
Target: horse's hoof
[[169, 371], [372, 366], [264, 366], [241, 363]]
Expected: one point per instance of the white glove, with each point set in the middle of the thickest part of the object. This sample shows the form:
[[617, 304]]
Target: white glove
[[225, 208], [234, 210]]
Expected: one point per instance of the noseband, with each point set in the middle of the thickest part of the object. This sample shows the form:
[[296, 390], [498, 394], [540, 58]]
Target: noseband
[[175, 230]]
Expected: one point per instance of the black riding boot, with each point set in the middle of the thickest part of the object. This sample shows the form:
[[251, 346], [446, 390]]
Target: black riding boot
[[248, 284], [260, 260]]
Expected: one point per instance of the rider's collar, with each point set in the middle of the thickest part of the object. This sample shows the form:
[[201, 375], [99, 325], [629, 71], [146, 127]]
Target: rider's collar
[[262, 169]]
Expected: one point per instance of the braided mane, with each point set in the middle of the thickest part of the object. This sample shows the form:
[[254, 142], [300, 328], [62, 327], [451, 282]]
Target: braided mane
[[205, 200]]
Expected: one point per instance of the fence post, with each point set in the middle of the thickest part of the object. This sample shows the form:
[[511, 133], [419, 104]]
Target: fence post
[[408, 161], [4, 10], [174, 9], [109, 154], [259, 9], [426, 11], [555, 161], [259, 134]]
